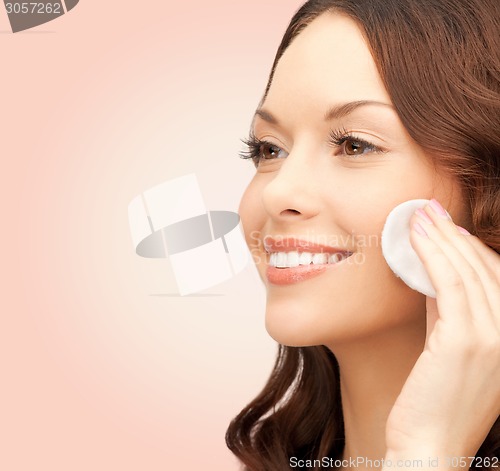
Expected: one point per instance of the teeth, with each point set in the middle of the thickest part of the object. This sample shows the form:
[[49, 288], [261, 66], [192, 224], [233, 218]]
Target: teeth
[[281, 260], [320, 258], [272, 259], [294, 259], [305, 258]]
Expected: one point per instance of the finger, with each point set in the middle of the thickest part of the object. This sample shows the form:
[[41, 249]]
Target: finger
[[463, 277], [456, 235], [490, 258], [451, 298], [480, 279], [491, 261]]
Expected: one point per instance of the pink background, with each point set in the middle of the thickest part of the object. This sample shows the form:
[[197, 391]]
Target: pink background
[[103, 366]]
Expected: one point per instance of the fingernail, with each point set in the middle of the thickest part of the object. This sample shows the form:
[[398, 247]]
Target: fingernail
[[424, 216], [463, 231], [420, 230], [438, 209]]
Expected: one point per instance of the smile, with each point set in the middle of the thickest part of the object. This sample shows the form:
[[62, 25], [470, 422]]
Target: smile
[[292, 260], [295, 259]]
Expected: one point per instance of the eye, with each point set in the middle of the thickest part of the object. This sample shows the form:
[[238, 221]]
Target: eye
[[268, 151], [260, 151], [356, 147], [350, 145]]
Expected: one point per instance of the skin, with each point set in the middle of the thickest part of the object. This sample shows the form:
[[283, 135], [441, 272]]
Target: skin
[[378, 328]]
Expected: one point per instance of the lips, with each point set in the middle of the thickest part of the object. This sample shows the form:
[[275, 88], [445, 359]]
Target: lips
[[294, 274], [288, 244]]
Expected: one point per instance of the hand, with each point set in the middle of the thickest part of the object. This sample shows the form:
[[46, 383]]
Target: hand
[[451, 398]]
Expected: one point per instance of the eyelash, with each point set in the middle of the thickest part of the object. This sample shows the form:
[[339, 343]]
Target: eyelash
[[337, 138], [340, 137], [254, 148]]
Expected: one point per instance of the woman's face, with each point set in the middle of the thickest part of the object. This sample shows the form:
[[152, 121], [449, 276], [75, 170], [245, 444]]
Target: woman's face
[[335, 161]]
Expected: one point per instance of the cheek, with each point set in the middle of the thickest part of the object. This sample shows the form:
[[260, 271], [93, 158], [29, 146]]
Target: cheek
[[361, 203], [361, 215], [252, 213]]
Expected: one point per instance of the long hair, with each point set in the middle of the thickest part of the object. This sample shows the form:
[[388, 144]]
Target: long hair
[[440, 63]]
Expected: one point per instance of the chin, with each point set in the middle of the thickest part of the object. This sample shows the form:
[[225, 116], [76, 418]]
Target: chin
[[291, 336], [294, 326], [298, 323]]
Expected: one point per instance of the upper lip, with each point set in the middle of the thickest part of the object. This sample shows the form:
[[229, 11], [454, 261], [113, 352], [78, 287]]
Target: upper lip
[[284, 244]]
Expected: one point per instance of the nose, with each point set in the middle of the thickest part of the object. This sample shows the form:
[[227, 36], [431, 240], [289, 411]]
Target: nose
[[293, 195]]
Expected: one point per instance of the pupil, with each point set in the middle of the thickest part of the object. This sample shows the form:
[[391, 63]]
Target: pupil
[[271, 151], [353, 147]]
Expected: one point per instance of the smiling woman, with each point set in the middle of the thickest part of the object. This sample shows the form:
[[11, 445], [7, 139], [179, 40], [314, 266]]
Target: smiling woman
[[369, 104]]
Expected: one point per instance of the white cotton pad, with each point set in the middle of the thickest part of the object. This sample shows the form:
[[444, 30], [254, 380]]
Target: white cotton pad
[[399, 253]]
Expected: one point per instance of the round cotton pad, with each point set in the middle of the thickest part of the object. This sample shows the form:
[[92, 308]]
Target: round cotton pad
[[399, 253]]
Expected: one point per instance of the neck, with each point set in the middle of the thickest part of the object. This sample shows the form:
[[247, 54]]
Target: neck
[[372, 373]]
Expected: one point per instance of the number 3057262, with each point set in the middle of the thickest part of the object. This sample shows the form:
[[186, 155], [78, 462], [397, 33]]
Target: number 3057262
[[33, 8]]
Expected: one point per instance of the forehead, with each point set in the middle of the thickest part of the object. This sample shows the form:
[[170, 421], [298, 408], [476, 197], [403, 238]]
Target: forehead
[[329, 62]]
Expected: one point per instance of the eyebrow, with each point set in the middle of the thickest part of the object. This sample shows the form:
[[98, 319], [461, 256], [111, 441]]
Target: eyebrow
[[335, 112]]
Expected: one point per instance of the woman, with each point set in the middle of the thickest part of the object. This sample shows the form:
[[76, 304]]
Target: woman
[[371, 103]]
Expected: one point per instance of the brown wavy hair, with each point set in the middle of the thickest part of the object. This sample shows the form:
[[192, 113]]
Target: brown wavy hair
[[440, 63]]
